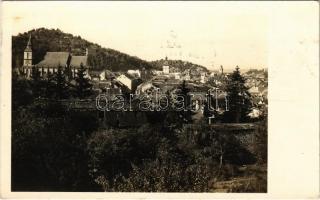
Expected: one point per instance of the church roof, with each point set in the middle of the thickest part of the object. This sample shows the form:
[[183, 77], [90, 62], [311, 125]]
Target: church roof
[[77, 60], [54, 59]]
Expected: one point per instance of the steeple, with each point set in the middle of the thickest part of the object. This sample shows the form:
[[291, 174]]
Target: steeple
[[28, 48], [166, 61], [27, 55], [165, 67], [221, 69]]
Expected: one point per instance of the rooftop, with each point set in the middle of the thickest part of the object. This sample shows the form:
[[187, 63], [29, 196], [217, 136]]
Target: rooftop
[[76, 61], [55, 59]]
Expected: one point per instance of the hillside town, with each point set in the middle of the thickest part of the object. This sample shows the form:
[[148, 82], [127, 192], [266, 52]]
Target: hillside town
[[89, 118], [147, 82]]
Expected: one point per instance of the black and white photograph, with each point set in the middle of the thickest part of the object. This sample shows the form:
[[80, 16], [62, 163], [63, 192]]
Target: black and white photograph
[[152, 97]]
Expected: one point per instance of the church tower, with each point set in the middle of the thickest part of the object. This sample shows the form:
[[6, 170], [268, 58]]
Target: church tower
[[27, 55], [165, 67]]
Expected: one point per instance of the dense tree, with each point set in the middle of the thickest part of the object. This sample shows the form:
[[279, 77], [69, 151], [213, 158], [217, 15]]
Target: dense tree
[[61, 86], [146, 161], [36, 81], [49, 85], [179, 112], [183, 96], [21, 92], [49, 148], [83, 86], [239, 98]]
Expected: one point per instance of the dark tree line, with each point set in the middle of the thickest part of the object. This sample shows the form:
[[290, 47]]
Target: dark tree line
[[59, 85]]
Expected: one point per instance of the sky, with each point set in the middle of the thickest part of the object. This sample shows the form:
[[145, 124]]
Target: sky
[[206, 33]]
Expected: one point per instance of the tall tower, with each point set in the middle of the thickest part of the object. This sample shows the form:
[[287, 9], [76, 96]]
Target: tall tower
[[221, 69], [165, 67], [27, 55]]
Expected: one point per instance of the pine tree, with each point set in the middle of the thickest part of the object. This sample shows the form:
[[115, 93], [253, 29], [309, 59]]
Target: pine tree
[[68, 74], [61, 88], [83, 86], [183, 92], [239, 98]]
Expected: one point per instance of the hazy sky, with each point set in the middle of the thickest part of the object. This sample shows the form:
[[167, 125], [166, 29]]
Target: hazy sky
[[206, 33]]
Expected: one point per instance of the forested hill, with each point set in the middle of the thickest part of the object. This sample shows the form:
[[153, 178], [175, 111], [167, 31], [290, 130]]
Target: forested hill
[[44, 40]]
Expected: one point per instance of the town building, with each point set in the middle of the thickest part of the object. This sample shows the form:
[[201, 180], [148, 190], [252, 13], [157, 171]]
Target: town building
[[146, 88], [129, 81], [134, 72], [176, 75], [203, 77], [101, 75], [52, 61], [187, 76]]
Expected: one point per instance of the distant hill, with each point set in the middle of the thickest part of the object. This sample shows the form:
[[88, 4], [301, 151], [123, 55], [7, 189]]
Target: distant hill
[[44, 40], [179, 66]]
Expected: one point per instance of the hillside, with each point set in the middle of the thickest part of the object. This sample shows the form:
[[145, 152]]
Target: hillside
[[44, 40], [179, 66]]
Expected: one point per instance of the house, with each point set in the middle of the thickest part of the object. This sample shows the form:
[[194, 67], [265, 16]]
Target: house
[[212, 74], [125, 80], [95, 75], [166, 70], [106, 75], [146, 87], [187, 77], [254, 90], [129, 81], [134, 72], [176, 75], [203, 77], [101, 75], [157, 72]]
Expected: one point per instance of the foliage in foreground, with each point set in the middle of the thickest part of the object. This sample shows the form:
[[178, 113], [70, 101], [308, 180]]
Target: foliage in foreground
[[54, 149]]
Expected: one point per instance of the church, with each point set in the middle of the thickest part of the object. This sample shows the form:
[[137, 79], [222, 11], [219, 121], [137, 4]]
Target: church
[[52, 61]]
